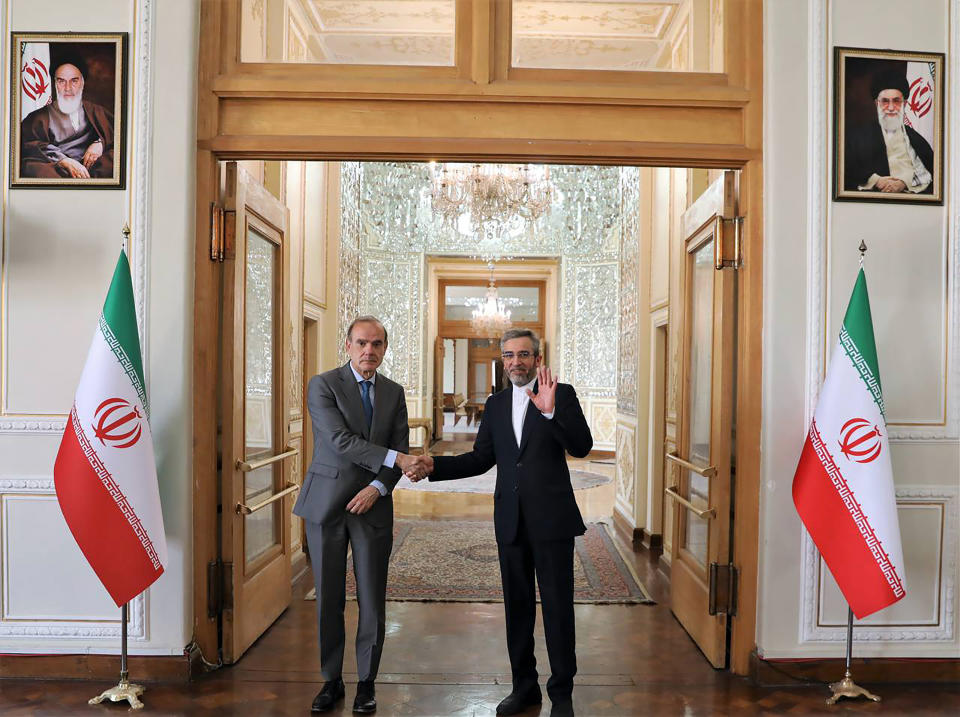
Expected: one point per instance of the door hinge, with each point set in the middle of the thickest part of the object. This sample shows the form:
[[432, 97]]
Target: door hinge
[[221, 233], [721, 256], [723, 589], [219, 587]]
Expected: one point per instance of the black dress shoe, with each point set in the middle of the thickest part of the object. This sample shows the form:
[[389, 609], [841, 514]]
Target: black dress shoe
[[562, 708], [366, 700], [327, 697], [517, 702]]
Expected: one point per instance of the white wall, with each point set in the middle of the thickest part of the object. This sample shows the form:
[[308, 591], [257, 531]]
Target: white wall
[[810, 265], [59, 251], [462, 351], [449, 359]]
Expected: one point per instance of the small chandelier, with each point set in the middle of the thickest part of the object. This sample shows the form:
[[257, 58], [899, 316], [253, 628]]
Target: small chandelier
[[492, 195], [492, 317]]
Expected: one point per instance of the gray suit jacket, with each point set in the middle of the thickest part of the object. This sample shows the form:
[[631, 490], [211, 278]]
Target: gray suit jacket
[[346, 456]]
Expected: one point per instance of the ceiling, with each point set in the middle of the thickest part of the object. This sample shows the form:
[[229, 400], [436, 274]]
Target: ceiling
[[568, 34]]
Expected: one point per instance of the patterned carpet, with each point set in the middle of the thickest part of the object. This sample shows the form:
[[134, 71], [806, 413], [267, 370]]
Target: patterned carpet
[[456, 561]]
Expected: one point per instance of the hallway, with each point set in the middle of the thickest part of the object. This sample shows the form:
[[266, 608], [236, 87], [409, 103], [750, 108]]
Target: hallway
[[446, 659]]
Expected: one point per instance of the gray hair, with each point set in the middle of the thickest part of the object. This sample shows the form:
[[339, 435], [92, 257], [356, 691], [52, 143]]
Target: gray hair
[[511, 334], [366, 319]]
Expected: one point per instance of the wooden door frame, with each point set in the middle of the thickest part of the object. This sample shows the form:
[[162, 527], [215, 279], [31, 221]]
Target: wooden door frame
[[483, 111]]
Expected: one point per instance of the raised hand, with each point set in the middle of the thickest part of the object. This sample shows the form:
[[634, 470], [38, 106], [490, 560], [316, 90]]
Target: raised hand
[[546, 397]]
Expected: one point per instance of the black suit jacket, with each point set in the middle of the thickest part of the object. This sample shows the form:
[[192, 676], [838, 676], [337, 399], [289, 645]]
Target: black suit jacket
[[866, 154], [532, 477]]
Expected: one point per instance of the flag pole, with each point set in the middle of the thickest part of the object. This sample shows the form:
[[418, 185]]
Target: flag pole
[[125, 245], [847, 687], [124, 690]]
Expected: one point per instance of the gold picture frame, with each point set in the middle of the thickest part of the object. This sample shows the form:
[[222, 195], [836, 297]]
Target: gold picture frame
[[888, 126], [68, 110]]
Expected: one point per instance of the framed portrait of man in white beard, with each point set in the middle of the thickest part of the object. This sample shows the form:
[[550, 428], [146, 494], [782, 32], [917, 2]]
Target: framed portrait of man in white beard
[[68, 110], [888, 126]]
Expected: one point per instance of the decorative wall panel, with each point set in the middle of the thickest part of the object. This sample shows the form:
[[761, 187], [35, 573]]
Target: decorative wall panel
[[928, 515], [389, 227], [348, 305], [629, 291], [626, 471], [390, 290], [603, 423], [589, 342], [30, 530]]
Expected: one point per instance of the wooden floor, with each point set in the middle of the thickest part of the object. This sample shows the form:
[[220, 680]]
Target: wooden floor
[[450, 659]]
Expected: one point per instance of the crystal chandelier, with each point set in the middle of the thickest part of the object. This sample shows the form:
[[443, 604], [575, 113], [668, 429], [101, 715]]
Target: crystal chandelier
[[492, 317], [492, 197]]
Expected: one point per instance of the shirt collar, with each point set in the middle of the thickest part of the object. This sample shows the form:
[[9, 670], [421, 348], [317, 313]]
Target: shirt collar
[[522, 390], [360, 378]]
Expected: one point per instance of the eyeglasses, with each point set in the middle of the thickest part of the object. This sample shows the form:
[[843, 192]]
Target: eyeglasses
[[522, 355], [890, 101]]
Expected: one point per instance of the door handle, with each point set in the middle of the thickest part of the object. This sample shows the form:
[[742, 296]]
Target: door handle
[[243, 509], [706, 471], [708, 513], [246, 467]]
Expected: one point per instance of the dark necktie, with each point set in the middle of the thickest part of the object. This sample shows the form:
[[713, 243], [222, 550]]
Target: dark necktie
[[367, 403]]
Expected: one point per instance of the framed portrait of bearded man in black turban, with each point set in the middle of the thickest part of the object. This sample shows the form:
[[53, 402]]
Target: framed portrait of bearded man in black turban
[[888, 126], [68, 107]]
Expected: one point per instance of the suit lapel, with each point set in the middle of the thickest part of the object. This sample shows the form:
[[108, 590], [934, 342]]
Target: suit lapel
[[528, 420], [351, 391]]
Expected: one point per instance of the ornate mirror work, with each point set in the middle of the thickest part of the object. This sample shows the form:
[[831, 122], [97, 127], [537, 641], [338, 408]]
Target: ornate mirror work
[[389, 227]]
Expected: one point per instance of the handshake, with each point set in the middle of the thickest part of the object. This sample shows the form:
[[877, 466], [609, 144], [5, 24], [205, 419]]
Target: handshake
[[415, 467]]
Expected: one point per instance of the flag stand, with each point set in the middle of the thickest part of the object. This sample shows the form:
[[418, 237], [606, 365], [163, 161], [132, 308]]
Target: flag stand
[[847, 687], [124, 690]]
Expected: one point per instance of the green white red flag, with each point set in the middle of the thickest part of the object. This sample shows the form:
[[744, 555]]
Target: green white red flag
[[105, 473], [843, 488]]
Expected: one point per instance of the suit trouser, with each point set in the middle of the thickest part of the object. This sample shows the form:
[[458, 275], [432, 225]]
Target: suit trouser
[[328, 558], [552, 563]]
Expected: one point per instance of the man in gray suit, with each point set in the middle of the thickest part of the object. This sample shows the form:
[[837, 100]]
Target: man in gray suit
[[360, 444]]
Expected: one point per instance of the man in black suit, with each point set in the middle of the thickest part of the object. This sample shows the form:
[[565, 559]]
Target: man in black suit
[[888, 156], [535, 515]]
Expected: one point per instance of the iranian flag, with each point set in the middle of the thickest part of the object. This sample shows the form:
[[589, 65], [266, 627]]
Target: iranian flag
[[843, 488], [105, 473]]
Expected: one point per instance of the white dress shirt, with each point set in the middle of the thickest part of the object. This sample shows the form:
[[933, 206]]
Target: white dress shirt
[[391, 454], [520, 402]]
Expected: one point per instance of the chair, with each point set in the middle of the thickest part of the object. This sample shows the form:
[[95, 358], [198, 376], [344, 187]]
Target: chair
[[427, 425], [459, 411]]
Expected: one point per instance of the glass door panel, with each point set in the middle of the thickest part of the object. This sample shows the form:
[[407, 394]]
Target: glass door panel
[[699, 368], [261, 528]]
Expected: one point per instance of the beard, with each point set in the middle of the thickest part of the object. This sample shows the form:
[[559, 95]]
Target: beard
[[890, 123], [69, 105], [522, 379]]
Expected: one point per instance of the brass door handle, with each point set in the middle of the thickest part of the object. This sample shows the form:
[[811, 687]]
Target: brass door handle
[[246, 467], [708, 513], [248, 509], [706, 472]]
